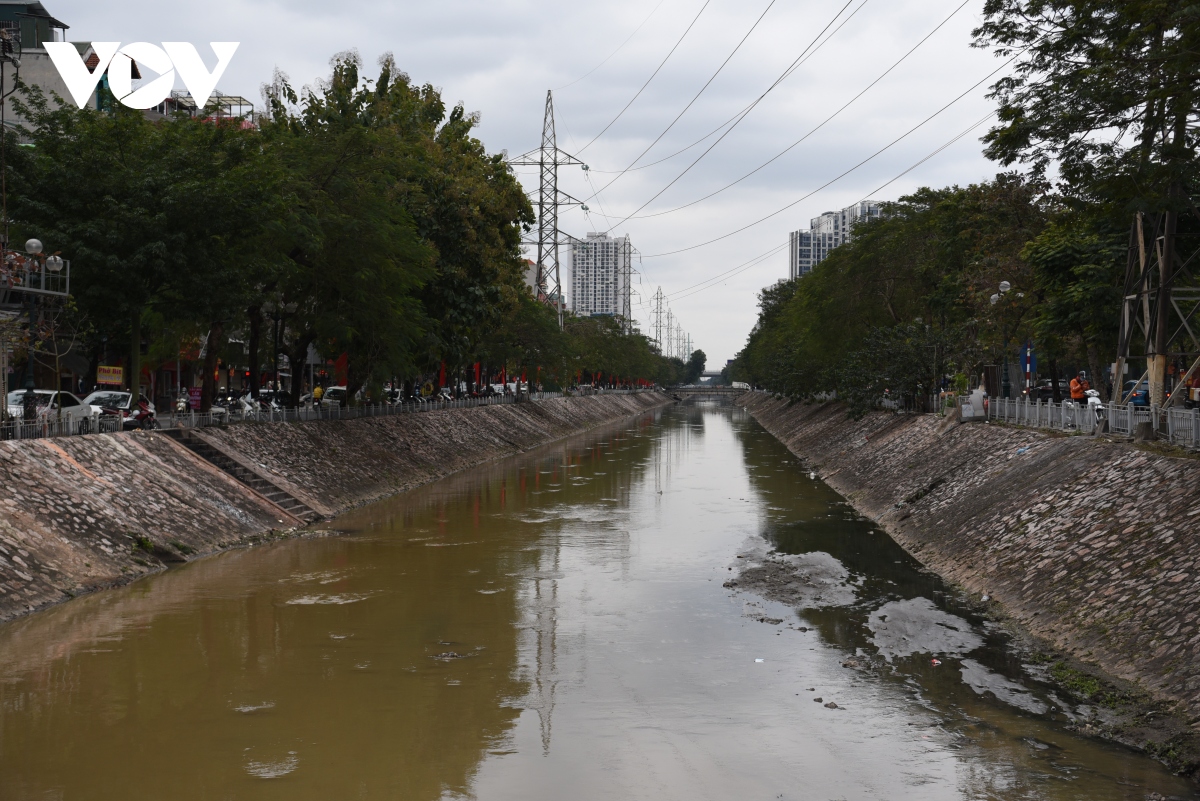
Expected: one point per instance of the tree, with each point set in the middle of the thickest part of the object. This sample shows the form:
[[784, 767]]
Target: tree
[[694, 367], [1078, 265], [931, 261], [1101, 88], [157, 217], [1106, 91]]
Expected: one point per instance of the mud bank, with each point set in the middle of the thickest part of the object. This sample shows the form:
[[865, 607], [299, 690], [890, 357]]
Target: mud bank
[[83, 513], [1086, 544]]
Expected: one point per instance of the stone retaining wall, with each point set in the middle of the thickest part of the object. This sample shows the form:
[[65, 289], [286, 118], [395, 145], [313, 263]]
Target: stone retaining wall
[[1090, 544], [81, 513]]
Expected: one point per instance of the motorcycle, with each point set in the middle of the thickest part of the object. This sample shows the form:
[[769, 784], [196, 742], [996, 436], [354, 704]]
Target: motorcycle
[[140, 418], [1099, 413]]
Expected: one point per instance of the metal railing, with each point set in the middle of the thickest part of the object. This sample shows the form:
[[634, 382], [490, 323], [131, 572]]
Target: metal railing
[[1177, 426], [48, 426]]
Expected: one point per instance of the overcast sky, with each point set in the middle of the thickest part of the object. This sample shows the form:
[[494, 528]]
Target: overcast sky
[[500, 57]]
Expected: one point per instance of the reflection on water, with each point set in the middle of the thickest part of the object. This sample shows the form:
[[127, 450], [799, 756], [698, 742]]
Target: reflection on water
[[554, 624]]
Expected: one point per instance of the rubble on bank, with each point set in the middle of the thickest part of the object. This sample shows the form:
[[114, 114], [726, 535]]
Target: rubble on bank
[[89, 512]]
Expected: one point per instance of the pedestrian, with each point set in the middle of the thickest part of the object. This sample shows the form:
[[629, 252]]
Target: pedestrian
[[1079, 388]]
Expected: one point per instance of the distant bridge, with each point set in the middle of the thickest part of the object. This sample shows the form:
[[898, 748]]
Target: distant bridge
[[718, 392]]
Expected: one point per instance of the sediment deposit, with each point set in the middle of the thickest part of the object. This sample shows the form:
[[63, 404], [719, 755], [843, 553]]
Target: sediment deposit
[[81, 513], [1089, 544]]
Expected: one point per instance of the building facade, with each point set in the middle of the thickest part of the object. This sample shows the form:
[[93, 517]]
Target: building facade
[[25, 27], [601, 267], [810, 248]]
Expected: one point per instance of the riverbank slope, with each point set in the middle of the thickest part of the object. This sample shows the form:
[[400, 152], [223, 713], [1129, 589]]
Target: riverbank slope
[[83, 513], [1089, 545]]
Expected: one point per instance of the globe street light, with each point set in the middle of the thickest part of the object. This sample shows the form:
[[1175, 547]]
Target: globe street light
[[1005, 384]]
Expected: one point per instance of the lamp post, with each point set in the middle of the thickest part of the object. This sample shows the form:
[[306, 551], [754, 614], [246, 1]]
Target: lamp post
[[1005, 384]]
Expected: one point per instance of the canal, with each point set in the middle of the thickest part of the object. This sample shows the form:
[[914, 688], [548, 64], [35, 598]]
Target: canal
[[669, 608]]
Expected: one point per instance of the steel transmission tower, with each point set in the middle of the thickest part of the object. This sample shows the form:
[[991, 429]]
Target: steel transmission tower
[[625, 265], [657, 321], [548, 158], [670, 350], [1156, 311]]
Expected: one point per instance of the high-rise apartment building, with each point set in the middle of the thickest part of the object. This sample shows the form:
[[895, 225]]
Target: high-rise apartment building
[[809, 248], [600, 275]]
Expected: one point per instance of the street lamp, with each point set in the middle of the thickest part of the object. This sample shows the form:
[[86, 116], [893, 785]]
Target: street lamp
[[1005, 384]]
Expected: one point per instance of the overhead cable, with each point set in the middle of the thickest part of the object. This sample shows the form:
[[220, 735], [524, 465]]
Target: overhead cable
[[842, 175], [819, 126], [613, 53], [737, 117], [695, 98], [708, 283], [648, 80]]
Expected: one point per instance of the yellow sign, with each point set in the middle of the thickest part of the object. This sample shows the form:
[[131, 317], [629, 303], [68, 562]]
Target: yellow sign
[[112, 376]]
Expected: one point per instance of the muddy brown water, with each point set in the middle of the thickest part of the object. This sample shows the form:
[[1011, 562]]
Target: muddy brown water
[[552, 626]]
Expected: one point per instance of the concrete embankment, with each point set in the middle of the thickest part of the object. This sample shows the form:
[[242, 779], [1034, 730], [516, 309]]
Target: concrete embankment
[[81, 513], [1088, 544]]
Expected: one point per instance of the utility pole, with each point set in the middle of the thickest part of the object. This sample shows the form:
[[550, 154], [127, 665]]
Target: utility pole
[[548, 158]]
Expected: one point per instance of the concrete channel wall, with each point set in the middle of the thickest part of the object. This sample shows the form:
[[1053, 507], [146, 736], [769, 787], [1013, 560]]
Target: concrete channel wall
[[1090, 544], [82, 513]]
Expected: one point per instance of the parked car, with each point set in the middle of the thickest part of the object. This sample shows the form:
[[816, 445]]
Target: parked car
[[1044, 391], [1140, 393], [76, 414], [113, 400]]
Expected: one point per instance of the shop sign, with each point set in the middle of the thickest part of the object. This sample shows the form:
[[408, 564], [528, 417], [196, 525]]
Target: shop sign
[[110, 376]]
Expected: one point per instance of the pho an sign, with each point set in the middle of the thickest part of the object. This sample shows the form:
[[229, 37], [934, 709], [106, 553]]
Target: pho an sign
[[118, 62]]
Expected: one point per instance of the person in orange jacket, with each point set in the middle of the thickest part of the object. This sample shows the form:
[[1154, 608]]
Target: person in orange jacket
[[1079, 388]]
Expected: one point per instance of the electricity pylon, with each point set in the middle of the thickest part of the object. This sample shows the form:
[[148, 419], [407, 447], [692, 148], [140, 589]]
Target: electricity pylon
[[1156, 311], [548, 158], [657, 322], [670, 350]]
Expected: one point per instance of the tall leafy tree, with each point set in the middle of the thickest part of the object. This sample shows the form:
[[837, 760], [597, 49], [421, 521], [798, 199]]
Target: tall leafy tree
[[158, 217], [1103, 89]]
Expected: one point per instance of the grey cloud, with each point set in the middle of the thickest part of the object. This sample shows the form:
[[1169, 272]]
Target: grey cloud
[[500, 57]]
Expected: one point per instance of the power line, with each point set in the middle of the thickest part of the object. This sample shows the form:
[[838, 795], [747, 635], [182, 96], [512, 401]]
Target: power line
[[708, 283], [729, 130], [742, 112], [613, 53], [651, 78], [695, 98], [982, 120], [821, 125], [837, 178]]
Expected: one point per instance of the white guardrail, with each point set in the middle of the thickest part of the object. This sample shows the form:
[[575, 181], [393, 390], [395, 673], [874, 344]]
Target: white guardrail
[[47, 426], [1177, 426]]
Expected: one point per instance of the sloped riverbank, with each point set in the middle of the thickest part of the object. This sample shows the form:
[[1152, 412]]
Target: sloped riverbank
[[1088, 545], [83, 513]]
